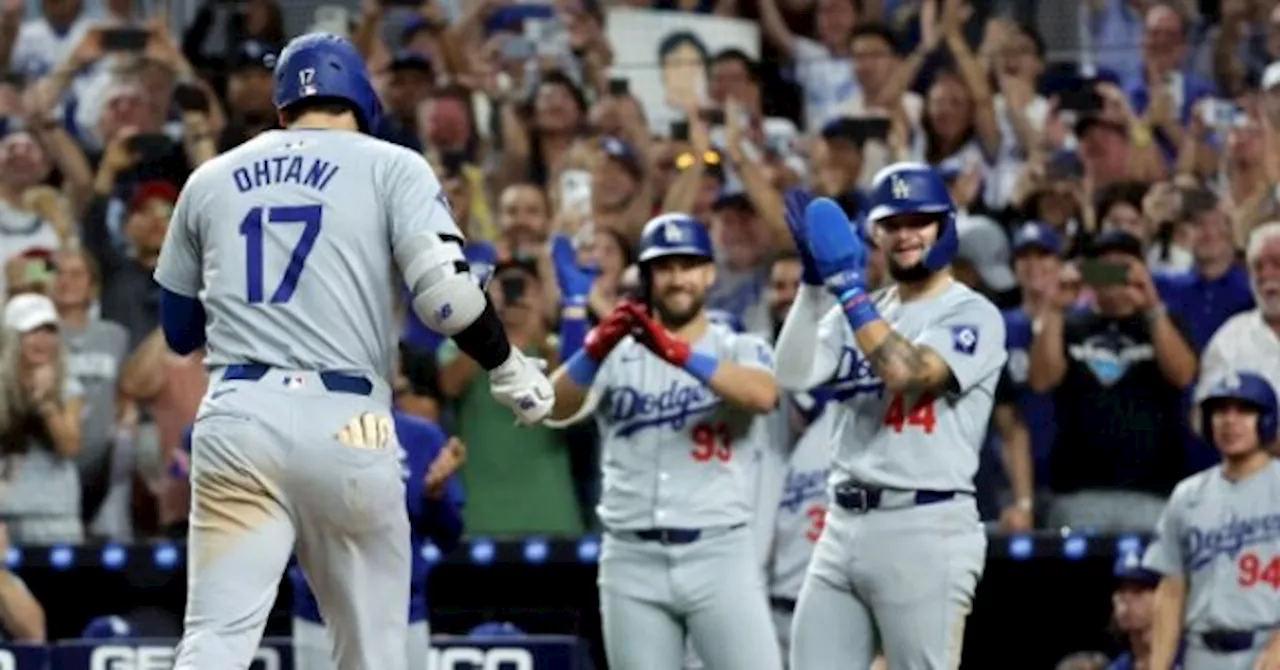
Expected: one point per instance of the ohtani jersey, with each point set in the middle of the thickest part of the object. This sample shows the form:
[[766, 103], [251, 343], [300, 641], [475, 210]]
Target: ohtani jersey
[[929, 442], [1224, 536], [674, 454]]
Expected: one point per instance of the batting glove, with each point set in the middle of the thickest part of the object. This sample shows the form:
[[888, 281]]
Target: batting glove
[[670, 348], [608, 333], [521, 385], [841, 259], [795, 201]]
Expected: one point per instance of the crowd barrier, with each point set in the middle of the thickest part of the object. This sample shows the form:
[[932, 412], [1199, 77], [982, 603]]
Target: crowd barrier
[[1042, 596], [549, 652]]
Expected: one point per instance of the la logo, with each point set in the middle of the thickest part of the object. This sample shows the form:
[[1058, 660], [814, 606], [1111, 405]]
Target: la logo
[[900, 189]]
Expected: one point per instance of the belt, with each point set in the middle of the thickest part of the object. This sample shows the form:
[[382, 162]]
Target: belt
[[1229, 641], [675, 535], [853, 497], [337, 382], [787, 605]]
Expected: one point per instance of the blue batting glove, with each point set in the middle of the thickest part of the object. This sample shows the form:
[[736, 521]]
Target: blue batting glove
[[795, 200], [840, 257], [575, 283]]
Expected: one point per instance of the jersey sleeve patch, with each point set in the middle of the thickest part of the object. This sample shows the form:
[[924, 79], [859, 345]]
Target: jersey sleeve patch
[[964, 339]]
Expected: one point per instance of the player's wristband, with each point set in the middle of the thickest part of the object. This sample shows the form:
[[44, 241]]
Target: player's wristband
[[858, 308], [582, 369], [702, 366]]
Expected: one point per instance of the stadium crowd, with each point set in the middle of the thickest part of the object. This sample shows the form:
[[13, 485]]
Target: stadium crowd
[[1123, 208]]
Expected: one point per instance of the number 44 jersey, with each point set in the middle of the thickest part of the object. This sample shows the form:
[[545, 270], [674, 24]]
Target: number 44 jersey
[[289, 241], [927, 441]]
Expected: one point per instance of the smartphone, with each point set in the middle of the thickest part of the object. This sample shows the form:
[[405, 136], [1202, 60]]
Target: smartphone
[[190, 98], [1065, 165], [712, 117], [512, 288], [680, 131], [150, 147], [619, 87], [453, 162], [1081, 101], [871, 129], [125, 39], [518, 49], [1096, 272], [575, 191]]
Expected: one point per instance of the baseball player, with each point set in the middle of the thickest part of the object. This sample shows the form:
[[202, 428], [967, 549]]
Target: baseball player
[[281, 250], [1217, 548], [801, 512], [680, 404], [434, 499], [916, 366]]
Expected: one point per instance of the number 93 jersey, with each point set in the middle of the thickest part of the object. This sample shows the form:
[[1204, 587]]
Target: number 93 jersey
[[289, 241], [674, 454], [1224, 538], [929, 441]]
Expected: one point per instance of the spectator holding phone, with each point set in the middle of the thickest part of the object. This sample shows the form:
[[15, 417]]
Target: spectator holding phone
[[1116, 371]]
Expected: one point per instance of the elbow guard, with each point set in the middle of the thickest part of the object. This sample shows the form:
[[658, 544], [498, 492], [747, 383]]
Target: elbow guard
[[450, 301]]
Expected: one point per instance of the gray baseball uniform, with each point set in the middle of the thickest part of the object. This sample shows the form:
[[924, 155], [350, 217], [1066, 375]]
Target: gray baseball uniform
[[678, 556], [902, 549], [288, 241], [1224, 537], [802, 512]]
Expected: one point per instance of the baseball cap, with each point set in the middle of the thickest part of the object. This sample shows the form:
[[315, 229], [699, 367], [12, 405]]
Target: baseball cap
[[1115, 240], [985, 246], [1128, 569], [255, 54], [411, 60], [107, 628], [1038, 236], [157, 189], [732, 197], [619, 150], [29, 311]]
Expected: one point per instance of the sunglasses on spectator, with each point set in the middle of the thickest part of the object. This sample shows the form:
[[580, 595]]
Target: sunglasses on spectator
[[685, 160]]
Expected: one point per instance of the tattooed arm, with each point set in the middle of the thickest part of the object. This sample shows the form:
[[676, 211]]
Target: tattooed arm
[[903, 366]]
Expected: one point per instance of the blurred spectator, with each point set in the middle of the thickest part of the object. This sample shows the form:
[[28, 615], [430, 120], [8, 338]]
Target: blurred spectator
[[168, 388], [96, 351], [22, 619], [1013, 54], [1116, 372], [130, 296], [250, 109], [40, 407], [1166, 91], [1132, 611], [1251, 340], [23, 166], [824, 66], [517, 478], [982, 261]]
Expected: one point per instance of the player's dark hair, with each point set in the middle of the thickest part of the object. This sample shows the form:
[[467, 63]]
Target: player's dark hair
[[678, 39], [323, 104], [879, 31], [738, 56], [1121, 193]]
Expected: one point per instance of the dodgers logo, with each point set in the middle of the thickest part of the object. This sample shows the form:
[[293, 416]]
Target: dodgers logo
[[854, 377], [964, 339], [1201, 546], [633, 410], [1110, 356], [801, 487]]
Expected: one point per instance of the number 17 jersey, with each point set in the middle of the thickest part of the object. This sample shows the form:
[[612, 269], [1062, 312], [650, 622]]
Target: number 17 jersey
[[289, 242], [926, 441]]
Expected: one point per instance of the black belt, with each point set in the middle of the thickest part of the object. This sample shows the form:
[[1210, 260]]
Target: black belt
[[675, 535], [787, 605], [1229, 641], [853, 497], [337, 382]]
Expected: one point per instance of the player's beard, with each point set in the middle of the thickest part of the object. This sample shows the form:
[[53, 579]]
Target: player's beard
[[915, 273], [677, 318]]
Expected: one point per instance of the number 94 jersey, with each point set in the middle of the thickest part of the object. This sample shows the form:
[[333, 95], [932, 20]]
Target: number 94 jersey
[[1224, 537], [288, 240], [928, 441], [674, 454]]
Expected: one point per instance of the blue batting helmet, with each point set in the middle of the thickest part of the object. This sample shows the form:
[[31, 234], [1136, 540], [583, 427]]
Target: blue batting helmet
[[916, 188], [1246, 387], [321, 65], [674, 235]]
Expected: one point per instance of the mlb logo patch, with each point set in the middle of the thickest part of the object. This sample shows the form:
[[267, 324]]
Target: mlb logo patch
[[964, 339]]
